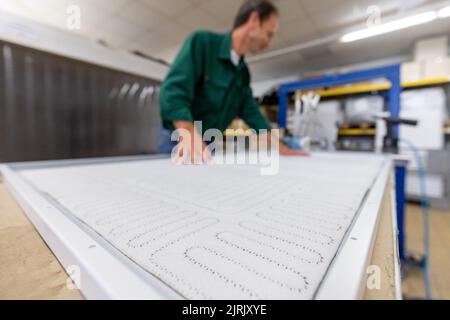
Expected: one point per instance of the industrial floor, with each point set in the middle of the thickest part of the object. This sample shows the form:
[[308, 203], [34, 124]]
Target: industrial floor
[[413, 287]]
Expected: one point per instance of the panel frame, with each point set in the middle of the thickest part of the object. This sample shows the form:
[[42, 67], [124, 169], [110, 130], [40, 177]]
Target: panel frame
[[75, 244]]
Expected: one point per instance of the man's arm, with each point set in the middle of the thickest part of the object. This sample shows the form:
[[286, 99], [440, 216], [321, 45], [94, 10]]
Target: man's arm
[[252, 115], [191, 148], [176, 98], [178, 89]]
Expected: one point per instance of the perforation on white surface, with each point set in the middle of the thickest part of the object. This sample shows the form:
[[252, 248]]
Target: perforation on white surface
[[220, 232]]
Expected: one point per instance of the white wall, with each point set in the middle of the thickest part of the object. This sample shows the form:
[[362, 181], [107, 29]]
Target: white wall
[[42, 37], [260, 88]]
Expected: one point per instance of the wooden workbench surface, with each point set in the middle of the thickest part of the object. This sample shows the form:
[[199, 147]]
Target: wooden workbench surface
[[384, 252], [29, 270]]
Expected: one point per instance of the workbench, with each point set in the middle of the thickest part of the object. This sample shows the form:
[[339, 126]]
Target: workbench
[[29, 270]]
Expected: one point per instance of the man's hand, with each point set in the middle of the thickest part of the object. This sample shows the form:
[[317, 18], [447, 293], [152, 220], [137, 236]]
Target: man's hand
[[286, 151], [190, 149]]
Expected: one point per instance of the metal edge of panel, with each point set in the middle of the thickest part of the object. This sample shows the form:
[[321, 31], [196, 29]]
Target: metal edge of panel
[[18, 166], [397, 271], [344, 280]]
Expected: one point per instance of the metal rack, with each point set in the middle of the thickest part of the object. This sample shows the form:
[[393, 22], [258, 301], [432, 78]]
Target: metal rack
[[390, 73], [335, 85]]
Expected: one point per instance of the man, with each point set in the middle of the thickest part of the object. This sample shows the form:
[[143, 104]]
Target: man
[[210, 81]]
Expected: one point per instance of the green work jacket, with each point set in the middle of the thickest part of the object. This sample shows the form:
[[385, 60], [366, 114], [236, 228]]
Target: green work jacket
[[204, 85]]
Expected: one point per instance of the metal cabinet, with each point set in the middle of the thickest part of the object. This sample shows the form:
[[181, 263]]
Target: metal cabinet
[[52, 107]]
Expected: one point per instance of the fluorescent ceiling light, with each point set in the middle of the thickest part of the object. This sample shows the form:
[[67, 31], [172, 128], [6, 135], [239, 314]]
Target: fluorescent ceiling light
[[444, 13], [390, 26]]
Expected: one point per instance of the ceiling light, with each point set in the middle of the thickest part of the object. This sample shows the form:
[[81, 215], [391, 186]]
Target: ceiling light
[[390, 26], [444, 13]]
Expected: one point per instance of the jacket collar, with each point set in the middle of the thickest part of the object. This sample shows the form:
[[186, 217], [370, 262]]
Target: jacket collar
[[225, 48]]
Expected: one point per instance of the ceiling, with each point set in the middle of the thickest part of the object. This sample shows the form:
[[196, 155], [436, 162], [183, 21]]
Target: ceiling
[[158, 28]]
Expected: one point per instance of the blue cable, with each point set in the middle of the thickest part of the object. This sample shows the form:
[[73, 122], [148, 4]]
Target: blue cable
[[426, 218]]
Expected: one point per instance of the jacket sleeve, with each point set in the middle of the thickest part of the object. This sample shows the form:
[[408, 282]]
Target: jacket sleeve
[[251, 113], [178, 89]]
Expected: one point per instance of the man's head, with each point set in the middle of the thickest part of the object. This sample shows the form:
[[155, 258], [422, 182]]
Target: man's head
[[259, 19]]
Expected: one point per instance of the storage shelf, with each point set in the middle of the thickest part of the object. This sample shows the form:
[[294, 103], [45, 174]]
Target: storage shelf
[[357, 132], [383, 86], [368, 132]]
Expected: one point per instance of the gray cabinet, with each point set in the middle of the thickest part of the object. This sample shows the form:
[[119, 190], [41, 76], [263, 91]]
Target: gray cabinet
[[52, 107]]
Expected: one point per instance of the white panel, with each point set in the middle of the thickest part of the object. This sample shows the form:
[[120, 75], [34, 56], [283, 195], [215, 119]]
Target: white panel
[[429, 107], [213, 231]]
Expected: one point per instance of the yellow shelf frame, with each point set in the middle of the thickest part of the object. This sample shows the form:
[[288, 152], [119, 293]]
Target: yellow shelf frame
[[383, 86], [357, 132]]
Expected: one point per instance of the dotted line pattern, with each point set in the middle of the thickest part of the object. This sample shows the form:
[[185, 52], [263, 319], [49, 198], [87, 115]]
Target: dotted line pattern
[[219, 275], [144, 210], [285, 252], [156, 218], [296, 235], [273, 237], [302, 219], [171, 243], [289, 208], [253, 253], [317, 233], [148, 231]]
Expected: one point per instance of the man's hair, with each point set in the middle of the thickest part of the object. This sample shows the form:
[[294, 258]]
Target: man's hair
[[264, 8]]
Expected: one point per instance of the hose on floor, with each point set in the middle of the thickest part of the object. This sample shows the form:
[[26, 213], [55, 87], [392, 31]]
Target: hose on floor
[[424, 201]]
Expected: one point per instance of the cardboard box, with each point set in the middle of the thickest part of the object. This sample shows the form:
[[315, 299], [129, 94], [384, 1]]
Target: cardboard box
[[430, 49], [429, 106], [412, 71], [437, 68]]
